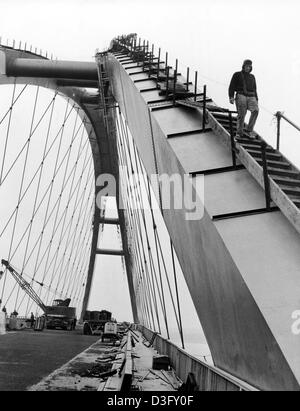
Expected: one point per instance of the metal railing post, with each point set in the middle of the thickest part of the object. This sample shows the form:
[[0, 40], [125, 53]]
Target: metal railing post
[[166, 63], [187, 79], [196, 81], [204, 108], [158, 66], [139, 51], [144, 54], [278, 115], [151, 60], [167, 82], [175, 80], [266, 175]]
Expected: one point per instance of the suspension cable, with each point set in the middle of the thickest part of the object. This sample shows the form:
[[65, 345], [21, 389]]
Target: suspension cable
[[13, 103], [142, 261], [20, 190], [7, 131], [49, 215], [163, 306], [177, 294], [55, 226], [80, 217], [75, 202], [128, 178], [70, 270], [61, 220], [25, 145], [26, 190]]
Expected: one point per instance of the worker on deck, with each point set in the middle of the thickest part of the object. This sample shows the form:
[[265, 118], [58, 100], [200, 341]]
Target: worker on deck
[[242, 90], [32, 320]]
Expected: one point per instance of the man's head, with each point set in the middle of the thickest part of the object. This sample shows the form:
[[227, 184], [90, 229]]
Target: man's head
[[247, 66]]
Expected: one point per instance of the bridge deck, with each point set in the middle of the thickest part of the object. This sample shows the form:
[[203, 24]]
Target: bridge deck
[[83, 372], [27, 356]]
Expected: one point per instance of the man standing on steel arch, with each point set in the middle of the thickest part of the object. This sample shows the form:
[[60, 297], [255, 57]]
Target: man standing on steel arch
[[243, 83]]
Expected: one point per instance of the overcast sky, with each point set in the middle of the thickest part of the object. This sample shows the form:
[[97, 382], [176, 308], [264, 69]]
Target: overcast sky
[[212, 36]]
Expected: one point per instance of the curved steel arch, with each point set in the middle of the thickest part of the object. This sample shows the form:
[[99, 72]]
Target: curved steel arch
[[71, 83]]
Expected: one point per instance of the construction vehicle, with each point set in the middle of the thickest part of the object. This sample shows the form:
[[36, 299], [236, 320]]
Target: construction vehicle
[[59, 315], [94, 321], [110, 332]]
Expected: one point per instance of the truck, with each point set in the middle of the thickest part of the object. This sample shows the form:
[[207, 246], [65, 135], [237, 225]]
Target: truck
[[58, 315], [94, 321]]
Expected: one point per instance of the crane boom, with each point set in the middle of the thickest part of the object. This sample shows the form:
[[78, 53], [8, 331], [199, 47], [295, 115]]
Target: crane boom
[[24, 285]]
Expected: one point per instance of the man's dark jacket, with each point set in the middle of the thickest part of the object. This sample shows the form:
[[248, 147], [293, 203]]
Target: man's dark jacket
[[237, 84]]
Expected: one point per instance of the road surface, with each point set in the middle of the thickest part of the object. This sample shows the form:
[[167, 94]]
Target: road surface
[[28, 356]]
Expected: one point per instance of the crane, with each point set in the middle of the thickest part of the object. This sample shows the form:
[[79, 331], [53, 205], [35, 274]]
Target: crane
[[58, 315], [24, 285]]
